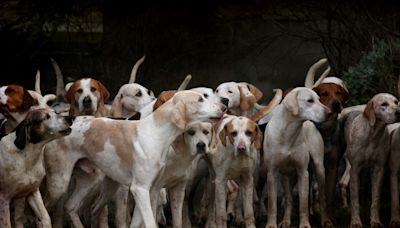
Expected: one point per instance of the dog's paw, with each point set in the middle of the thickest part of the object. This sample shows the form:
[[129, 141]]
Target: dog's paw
[[395, 223], [356, 225], [376, 224], [271, 226], [284, 224], [305, 225]]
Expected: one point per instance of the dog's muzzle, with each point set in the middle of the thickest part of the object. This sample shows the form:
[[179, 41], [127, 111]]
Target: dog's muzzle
[[201, 148], [87, 102]]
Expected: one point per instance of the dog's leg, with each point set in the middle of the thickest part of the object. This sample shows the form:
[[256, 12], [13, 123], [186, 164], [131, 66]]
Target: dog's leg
[[36, 202], [177, 195], [377, 177], [303, 185], [5, 213], [344, 183], [142, 199], [394, 191], [354, 200], [19, 212], [288, 202], [331, 171], [220, 201], [320, 174], [121, 207], [272, 198], [247, 191], [99, 210], [233, 191]]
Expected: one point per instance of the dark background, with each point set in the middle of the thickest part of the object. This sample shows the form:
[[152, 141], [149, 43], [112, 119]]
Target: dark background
[[268, 43]]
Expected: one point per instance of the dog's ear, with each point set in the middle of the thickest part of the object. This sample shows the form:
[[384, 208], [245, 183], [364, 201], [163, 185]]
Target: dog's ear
[[69, 95], [291, 102], [222, 135], [213, 142], [28, 101], [255, 91], [258, 138], [103, 91], [246, 100], [179, 115], [163, 97], [116, 107], [369, 113], [22, 135], [346, 94]]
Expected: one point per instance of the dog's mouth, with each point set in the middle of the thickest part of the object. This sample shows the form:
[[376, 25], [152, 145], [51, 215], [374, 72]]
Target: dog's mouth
[[66, 131]]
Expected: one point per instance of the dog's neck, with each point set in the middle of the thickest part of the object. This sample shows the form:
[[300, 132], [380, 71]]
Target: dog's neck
[[374, 132], [329, 127], [286, 124]]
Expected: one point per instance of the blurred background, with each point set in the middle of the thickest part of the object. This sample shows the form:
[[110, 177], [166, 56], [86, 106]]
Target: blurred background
[[268, 43]]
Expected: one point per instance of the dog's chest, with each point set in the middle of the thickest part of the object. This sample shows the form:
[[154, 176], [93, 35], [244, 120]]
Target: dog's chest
[[19, 179]]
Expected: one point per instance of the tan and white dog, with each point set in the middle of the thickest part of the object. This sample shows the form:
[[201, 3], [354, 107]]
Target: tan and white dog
[[21, 161], [368, 145], [242, 97], [87, 97], [289, 143], [234, 158], [132, 153]]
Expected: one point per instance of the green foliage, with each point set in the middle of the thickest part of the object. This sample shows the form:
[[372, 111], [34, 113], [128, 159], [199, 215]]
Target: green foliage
[[376, 72]]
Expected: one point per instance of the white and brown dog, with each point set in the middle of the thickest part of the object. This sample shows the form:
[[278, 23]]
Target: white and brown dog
[[87, 97], [21, 163], [132, 153], [368, 146], [234, 158], [289, 143]]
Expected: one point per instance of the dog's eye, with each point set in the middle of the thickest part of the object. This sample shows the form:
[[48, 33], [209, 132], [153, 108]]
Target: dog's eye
[[191, 132], [230, 91], [201, 99], [93, 89], [47, 116], [234, 133], [249, 133], [396, 102], [139, 94], [384, 104], [338, 93], [205, 95], [206, 132], [324, 94], [216, 91], [79, 90], [310, 100]]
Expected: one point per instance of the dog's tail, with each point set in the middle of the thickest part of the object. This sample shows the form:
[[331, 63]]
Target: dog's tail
[[268, 108], [185, 83], [310, 77], [60, 90], [37, 83], [135, 68]]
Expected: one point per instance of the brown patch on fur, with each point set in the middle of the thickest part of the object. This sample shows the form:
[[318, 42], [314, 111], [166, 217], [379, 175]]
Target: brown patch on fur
[[163, 97], [255, 91], [116, 133], [331, 93], [246, 102], [257, 137], [228, 129], [19, 99]]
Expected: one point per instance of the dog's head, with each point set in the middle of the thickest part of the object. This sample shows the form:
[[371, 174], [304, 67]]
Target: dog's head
[[240, 95], [199, 137], [190, 107], [382, 107], [86, 96], [41, 125], [15, 98], [332, 93], [304, 103], [242, 134], [131, 98]]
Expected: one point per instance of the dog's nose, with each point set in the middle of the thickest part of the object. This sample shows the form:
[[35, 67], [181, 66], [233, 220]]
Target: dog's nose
[[87, 101], [225, 101], [241, 149], [336, 107], [201, 147]]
